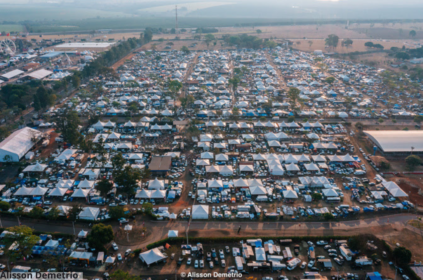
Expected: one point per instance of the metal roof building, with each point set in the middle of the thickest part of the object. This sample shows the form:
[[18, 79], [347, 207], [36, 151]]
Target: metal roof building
[[397, 141], [14, 147], [12, 74]]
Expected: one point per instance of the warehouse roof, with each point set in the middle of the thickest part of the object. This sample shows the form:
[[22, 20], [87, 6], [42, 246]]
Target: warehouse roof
[[160, 163], [397, 141], [40, 74], [19, 142], [12, 74]]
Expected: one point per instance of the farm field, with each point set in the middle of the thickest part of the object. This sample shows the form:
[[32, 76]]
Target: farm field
[[11, 28]]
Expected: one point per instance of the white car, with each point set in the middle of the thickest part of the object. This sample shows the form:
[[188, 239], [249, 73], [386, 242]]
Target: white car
[[115, 246], [322, 242], [311, 264], [196, 264], [119, 257]]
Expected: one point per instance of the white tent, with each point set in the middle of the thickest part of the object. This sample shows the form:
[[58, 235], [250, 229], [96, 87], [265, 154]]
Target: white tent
[[200, 212], [152, 256], [329, 193], [156, 184], [172, 233], [290, 194], [292, 167], [58, 192], [79, 193], [226, 170], [260, 254], [89, 213], [82, 234], [38, 167]]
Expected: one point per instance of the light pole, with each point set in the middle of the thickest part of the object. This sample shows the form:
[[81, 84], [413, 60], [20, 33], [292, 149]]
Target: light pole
[[73, 225]]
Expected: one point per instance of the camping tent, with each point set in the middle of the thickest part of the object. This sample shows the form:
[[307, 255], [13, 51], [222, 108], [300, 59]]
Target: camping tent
[[200, 212]]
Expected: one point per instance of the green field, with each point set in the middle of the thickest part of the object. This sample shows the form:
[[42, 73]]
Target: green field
[[11, 27]]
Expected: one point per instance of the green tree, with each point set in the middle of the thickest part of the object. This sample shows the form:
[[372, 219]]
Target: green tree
[[127, 179], [235, 111], [104, 187], [208, 39], [402, 55], [332, 40], [74, 212], [369, 44], [347, 42], [413, 33], [174, 87], [359, 125], [258, 31], [36, 212], [69, 126], [116, 212], [4, 206], [357, 243], [402, 256], [23, 240], [380, 120], [413, 161], [122, 275], [100, 235], [76, 81], [316, 196], [118, 162], [328, 216], [330, 80], [185, 49], [234, 82], [418, 118], [293, 95], [54, 213]]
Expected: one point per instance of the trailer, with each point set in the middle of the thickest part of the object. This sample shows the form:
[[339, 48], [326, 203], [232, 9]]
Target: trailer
[[292, 263], [346, 252], [239, 263], [363, 261]]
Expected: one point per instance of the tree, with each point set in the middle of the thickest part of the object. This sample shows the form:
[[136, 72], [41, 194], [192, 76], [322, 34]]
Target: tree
[[328, 216], [402, 55], [127, 179], [36, 212], [122, 275], [116, 212], [412, 33], [74, 212], [235, 111], [69, 126], [310, 43], [330, 80], [347, 42], [185, 49], [104, 187], [208, 38], [380, 120], [357, 243], [175, 86], [332, 40], [359, 125], [413, 161], [54, 213], [369, 44], [258, 31], [293, 95], [418, 118], [23, 238], [316, 196], [4, 206], [118, 162], [402, 256], [234, 82], [76, 81], [100, 235]]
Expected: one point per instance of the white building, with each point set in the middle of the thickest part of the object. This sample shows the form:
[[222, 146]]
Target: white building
[[14, 147]]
